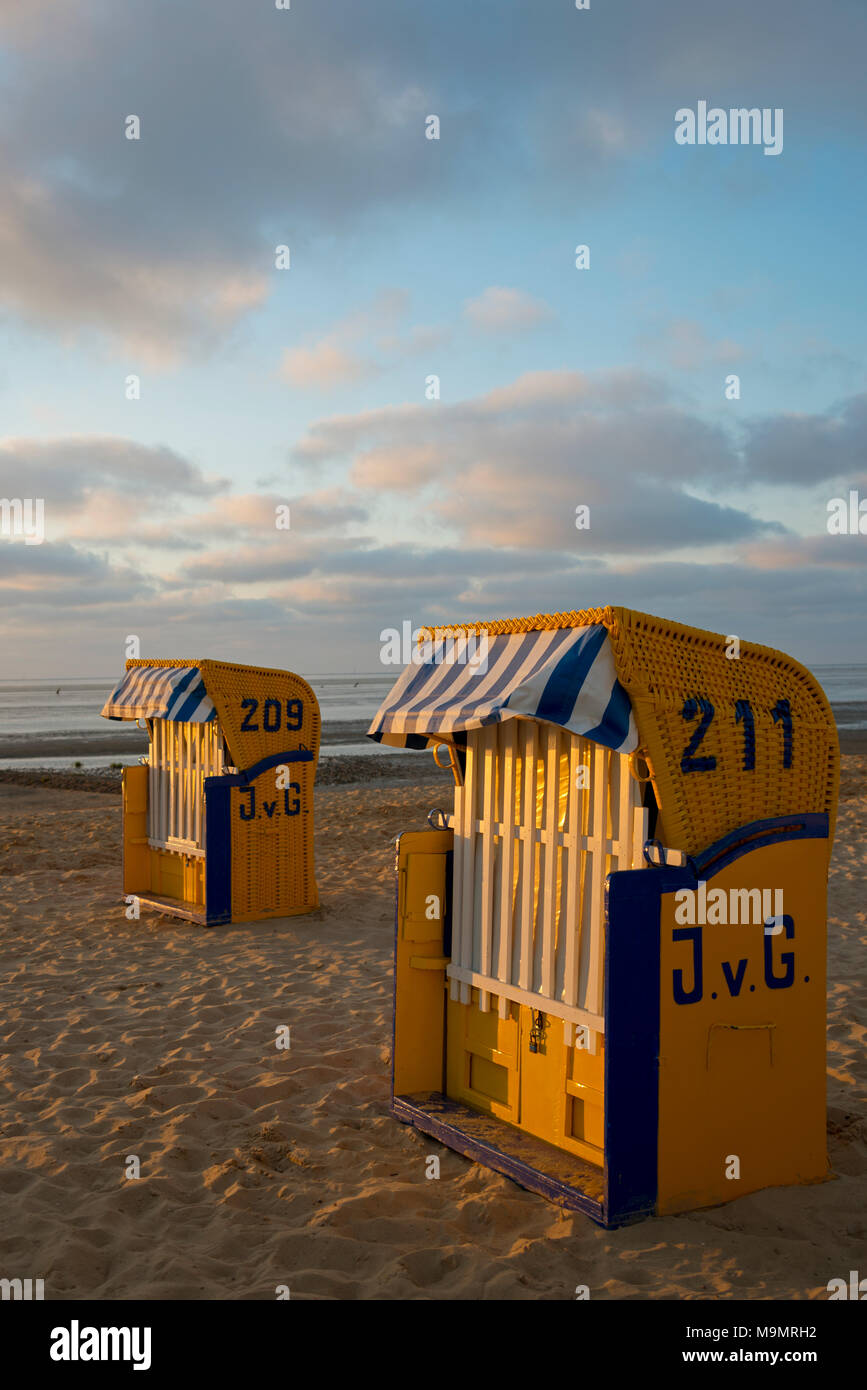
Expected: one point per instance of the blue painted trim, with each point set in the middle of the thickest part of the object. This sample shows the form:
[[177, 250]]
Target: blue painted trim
[[247, 775], [632, 964], [419, 741], [807, 825], [218, 853], [397, 841], [449, 1132], [172, 908]]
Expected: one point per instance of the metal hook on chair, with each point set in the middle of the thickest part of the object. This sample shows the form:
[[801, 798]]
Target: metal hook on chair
[[452, 763], [633, 759]]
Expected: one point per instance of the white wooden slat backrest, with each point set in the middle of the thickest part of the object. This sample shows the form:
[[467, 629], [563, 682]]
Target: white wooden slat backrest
[[526, 902], [182, 755], [540, 820]]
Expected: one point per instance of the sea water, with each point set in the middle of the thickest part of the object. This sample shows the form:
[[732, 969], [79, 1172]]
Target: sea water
[[56, 722]]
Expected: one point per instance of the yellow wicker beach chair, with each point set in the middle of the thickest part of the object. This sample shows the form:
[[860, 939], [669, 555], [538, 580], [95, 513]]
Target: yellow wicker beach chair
[[610, 956], [218, 824]]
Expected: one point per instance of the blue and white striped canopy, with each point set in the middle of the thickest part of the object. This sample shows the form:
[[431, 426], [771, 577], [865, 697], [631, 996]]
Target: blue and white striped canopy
[[563, 676], [161, 692]]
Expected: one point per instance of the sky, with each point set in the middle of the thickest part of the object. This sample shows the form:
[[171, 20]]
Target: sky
[[430, 385]]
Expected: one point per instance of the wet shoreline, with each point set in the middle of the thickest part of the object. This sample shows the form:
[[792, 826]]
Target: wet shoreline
[[377, 767], [122, 741], [352, 769]]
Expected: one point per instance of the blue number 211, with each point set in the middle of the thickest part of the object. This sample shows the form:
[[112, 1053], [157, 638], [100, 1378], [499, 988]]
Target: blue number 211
[[699, 707]]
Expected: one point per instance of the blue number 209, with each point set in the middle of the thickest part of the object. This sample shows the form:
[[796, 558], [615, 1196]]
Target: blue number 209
[[272, 715]]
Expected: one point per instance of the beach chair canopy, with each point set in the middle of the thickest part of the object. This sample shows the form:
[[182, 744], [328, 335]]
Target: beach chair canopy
[[263, 715], [161, 692], [563, 676], [731, 732]]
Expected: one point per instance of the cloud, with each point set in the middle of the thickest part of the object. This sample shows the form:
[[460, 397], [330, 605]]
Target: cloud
[[533, 397], [398, 469], [329, 615], [323, 365], [60, 269], [622, 389], [802, 449], [256, 129], [421, 338], [57, 575], [236, 517], [687, 346], [355, 347], [81, 470], [811, 612], [261, 127], [649, 520], [502, 310], [825, 552], [509, 468], [269, 562], [487, 489]]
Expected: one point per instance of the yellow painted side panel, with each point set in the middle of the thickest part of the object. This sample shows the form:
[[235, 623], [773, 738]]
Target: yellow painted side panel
[[482, 1058], [136, 853], [742, 1068], [194, 881], [419, 1016], [178, 876], [585, 1102], [543, 1095], [167, 874], [554, 1092]]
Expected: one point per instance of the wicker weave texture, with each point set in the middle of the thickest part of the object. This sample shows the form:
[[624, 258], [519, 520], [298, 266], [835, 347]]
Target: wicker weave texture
[[730, 739], [285, 714], [263, 713], [273, 871], [540, 622]]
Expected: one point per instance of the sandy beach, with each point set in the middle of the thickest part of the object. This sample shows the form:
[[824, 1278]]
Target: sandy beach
[[261, 1167]]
